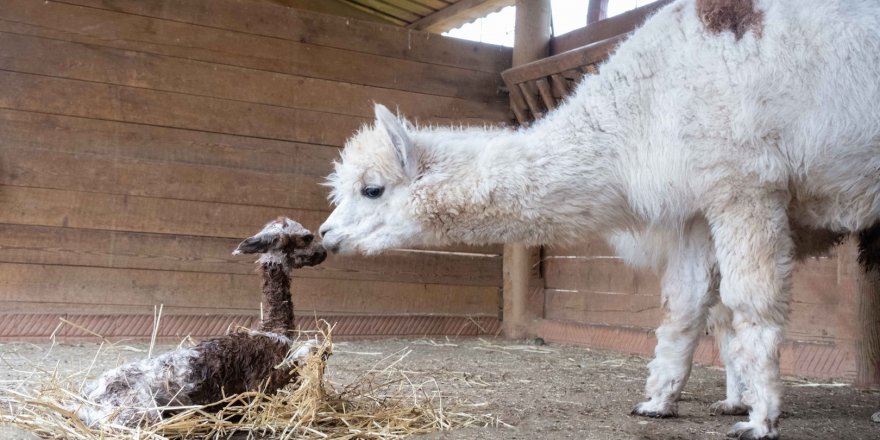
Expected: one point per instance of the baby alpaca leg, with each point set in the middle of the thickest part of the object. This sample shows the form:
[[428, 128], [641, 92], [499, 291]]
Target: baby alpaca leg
[[686, 286]]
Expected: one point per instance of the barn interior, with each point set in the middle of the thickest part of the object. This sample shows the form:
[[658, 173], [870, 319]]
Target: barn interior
[[142, 140]]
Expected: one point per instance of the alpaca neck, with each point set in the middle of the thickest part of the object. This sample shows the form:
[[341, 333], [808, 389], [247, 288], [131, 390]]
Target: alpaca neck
[[278, 307], [539, 185]]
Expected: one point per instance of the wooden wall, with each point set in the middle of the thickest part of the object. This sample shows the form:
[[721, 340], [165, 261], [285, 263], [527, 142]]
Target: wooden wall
[[140, 140], [593, 298]]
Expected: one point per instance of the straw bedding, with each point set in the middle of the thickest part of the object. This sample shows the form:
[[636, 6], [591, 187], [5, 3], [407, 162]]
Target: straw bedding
[[382, 403]]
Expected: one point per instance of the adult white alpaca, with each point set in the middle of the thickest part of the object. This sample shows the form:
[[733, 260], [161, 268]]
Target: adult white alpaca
[[720, 138]]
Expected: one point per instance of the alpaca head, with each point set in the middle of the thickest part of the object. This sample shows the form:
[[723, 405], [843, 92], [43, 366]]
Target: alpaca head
[[371, 189], [284, 241]]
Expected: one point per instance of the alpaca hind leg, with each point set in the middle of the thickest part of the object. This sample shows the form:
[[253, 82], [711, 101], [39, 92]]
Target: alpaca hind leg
[[720, 321], [686, 287], [754, 251]]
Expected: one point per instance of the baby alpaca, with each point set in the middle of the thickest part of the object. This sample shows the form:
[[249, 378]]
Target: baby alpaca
[[241, 361]]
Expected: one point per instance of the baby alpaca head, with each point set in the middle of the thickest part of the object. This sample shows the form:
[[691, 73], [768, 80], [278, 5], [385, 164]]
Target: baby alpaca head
[[370, 188], [284, 241]]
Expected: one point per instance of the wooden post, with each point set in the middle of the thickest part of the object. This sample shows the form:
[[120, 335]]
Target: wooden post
[[597, 10], [868, 292], [531, 42]]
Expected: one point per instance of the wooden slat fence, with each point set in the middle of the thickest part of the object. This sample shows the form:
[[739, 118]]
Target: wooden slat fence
[[141, 140]]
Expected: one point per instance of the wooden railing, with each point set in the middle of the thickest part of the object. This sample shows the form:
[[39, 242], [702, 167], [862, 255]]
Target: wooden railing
[[538, 87]]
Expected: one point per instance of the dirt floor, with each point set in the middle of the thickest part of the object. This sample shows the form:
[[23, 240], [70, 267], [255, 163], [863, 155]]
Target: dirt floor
[[543, 392]]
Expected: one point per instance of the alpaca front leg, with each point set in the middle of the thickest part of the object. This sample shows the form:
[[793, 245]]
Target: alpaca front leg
[[754, 252], [686, 297], [720, 321]]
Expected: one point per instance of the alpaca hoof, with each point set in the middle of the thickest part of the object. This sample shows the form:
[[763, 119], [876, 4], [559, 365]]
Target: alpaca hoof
[[725, 408], [748, 431], [649, 409]]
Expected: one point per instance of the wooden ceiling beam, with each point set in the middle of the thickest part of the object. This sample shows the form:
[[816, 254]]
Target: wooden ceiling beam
[[386, 8], [457, 14], [377, 14]]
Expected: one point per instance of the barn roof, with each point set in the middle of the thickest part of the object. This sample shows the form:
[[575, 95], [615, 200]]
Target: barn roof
[[426, 15]]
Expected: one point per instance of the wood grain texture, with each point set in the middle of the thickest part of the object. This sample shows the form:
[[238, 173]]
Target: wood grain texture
[[603, 308], [463, 11], [63, 286], [598, 274], [140, 141], [90, 210], [118, 29], [135, 177], [112, 139], [137, 250], [45, 56], [867, 304], [128, 104], [320, 29], [594, 246], [796, 358]]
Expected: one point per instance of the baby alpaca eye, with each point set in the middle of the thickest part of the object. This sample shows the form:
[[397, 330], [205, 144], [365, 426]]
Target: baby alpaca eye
[[373, 192]]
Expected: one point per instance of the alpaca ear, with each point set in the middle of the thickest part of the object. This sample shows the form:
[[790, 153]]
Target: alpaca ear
[[397, 131], [254, 245]]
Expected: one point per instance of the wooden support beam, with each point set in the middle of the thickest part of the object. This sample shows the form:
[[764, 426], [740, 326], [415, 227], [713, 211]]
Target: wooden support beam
[[868, 293], [459, 13], [334, 8], [531, 42], [597, 10]]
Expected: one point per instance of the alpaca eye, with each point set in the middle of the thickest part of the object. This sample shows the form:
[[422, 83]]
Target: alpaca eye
[[373, 192]]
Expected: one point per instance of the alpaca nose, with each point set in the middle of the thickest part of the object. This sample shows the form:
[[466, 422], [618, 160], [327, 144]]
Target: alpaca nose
[[323, 230]]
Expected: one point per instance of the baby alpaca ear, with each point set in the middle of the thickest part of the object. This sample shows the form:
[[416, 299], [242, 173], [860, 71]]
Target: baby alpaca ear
[[254, 245], [397, 131]]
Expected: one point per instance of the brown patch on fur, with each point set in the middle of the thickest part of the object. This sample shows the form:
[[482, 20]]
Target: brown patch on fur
[[278, 316], [737, 16], [869, 248], [237, 363]]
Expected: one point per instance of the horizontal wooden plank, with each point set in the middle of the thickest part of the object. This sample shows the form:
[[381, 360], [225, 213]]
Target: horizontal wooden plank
[[815, 281], [69, 285], [599, 274], [37, 55], [458, 14], [109, 102], [146, 34], [83, 136], [89, 210], [573, 59], [595, 246], [603, 308], [807, 322], [812, 323], [135, 177], [131, 250], [321, 29]]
